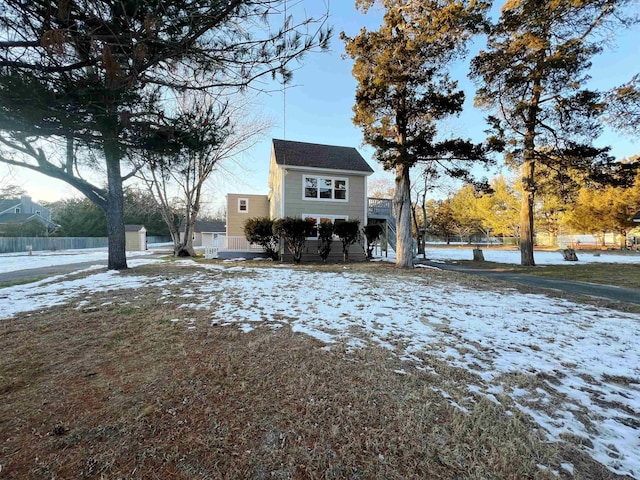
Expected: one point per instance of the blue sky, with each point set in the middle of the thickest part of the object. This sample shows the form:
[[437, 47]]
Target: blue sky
[[319, 105], [319, 109]]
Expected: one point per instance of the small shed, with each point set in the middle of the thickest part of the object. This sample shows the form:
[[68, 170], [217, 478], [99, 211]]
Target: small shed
[[135, 238], [636, 217]]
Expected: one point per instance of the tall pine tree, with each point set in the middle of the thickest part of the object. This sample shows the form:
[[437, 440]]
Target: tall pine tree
[[404, 89], [533, 75], [98, 75]]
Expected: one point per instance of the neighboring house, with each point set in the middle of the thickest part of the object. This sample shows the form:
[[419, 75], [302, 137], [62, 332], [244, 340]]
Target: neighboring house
[[205, 233], [24, 210], [306, 180]]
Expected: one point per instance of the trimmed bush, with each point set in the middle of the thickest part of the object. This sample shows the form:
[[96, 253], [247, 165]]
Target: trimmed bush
[[260, 230], [294, 231], [349, 233], [325, 238], [372, 233]]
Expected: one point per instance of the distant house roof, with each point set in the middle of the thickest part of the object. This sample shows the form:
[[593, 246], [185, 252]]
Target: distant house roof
[[133, 228], [214, 226], [313, 155], [636, 217], [8, 203]]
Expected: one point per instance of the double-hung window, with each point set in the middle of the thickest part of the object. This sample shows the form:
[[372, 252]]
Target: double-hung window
[[324, 188]]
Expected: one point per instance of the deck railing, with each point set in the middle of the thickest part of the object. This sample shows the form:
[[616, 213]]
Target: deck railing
[[239, 244], [380, 206]]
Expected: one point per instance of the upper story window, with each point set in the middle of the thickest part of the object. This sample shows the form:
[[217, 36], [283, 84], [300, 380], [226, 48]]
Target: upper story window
[[17, 210], [243, 205], [37, 212], [324, 188]]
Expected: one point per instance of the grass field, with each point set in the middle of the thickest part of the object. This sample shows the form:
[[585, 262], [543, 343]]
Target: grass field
[[140, 383], [618, 274]]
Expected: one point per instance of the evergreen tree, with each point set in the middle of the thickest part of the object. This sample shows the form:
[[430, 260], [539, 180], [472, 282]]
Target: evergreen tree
[[97, 75], [623, 106], [533, 74], [404, 89]]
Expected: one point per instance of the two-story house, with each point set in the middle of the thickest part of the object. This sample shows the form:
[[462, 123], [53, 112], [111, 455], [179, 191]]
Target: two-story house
[[18, 211], [306, 180]]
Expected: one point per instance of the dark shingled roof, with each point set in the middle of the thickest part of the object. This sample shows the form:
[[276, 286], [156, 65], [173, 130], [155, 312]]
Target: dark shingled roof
[[300, 154], [133, 228], [636, 217], [203, 226]]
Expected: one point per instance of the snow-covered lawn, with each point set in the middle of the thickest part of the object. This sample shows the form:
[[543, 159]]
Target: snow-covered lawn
[[11, 262], [574, 368]]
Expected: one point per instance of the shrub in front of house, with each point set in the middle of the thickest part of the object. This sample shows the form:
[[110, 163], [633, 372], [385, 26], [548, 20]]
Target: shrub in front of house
[[294, 231], [325, 238], [349, 233], [260, 230], [372, 233]]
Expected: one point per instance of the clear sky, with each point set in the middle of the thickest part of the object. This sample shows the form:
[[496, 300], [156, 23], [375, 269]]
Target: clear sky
[[319, 109]]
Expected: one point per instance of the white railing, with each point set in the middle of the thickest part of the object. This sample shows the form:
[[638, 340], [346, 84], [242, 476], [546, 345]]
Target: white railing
[[225, 243], [239, 244]]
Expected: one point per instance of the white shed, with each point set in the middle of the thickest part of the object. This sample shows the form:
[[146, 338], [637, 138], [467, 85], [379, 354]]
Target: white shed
[[135, 238]]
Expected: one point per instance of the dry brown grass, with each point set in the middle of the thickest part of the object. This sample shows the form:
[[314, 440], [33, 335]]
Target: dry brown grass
[[115, 389]]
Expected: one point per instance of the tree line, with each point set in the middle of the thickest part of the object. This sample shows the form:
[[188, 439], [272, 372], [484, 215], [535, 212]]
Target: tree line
[[532, 78], [579, 208]]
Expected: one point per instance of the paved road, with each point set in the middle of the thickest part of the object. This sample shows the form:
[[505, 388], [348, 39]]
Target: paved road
[[609, 292], [37, 273]]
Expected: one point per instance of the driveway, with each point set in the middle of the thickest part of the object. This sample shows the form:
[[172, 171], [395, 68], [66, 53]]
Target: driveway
[[609, 292]]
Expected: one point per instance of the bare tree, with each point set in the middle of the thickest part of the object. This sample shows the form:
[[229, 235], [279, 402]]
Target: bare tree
[[221, 129]]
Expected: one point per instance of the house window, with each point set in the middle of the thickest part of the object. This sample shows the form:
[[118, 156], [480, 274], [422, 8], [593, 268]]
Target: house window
[[324, 218], [324, 188], [37, 212], [17, 210], [243, 205]]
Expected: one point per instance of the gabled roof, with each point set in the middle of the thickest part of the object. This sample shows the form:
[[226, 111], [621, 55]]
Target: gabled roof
[[133, 228], [313, 155], [207, 226], [8, 203]]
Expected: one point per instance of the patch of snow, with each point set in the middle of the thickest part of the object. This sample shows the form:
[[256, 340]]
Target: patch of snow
[[562, 349]]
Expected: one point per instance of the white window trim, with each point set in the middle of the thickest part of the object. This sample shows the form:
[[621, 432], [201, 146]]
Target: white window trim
[[246, 200], [319, 216], [17, 210], [325, 177]]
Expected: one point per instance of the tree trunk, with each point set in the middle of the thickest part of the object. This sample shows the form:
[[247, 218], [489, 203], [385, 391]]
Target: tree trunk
[[402, 210], [115, 206], [526, 214]]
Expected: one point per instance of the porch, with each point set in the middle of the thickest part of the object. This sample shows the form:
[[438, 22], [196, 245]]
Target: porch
[[229, 246]]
